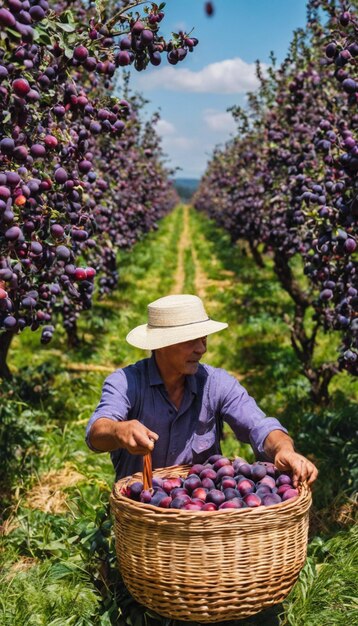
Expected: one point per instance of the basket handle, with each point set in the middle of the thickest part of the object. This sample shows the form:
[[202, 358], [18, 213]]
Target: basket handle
[[147, 471]]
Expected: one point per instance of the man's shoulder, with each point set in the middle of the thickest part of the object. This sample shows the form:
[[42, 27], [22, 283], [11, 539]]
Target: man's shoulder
[[136, 367], [133, 370], [215, 373]]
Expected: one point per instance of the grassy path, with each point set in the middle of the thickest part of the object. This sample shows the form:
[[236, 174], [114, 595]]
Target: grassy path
[[57, 557]]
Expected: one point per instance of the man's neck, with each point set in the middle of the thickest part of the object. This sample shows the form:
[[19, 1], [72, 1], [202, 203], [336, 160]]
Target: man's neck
[[173, 380]]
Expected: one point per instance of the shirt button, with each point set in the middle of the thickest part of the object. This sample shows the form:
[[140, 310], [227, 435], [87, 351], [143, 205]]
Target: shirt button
[[171, 411]]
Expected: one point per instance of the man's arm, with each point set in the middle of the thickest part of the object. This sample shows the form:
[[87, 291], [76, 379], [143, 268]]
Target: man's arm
[[107, 435], [279, 447]]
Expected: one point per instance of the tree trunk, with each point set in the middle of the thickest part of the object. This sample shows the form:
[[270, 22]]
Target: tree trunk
[[5, 341], [320, 380], [256, 254], [288, 282], [73, 339], [303, 343]]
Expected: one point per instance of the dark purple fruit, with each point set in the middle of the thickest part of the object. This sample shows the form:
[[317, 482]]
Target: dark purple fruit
[[215, 496], [270, 499], [289, 493], [252, 500]]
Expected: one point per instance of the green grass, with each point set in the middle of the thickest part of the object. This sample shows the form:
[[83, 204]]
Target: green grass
[[189, 271], [58, 567], [326, 592]]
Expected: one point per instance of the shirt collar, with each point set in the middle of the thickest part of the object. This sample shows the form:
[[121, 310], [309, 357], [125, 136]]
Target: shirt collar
[[156, 379]]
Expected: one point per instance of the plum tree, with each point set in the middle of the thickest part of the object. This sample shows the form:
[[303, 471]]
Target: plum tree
[[286, 184], [68, 146]]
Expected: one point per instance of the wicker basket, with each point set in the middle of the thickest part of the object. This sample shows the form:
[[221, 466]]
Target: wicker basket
[[209, 566]]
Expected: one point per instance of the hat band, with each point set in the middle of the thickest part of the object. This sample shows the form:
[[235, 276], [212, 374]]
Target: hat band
[[178, 325]]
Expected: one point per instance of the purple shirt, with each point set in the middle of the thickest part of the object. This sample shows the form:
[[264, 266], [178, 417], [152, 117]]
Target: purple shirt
[[190, 434]]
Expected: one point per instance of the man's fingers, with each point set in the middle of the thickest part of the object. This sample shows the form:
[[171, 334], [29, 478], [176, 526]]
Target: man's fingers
[[152, 438], [302, 469], [313, 475], [142, 441], [152, 435]]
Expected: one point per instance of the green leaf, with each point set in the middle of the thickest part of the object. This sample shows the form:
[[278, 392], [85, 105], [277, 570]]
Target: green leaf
[[68, 52], [13, 32], [161, 6], [43, 38], [99, 7], [68, 28]]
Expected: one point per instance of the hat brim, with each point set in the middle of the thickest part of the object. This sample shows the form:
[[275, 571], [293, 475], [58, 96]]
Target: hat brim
[[148, 338]]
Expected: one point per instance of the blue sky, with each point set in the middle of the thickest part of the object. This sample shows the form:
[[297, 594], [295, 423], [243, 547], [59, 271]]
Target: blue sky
[[193, 96]]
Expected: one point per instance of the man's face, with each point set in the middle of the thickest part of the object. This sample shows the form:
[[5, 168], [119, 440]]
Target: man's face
[[182, 358]]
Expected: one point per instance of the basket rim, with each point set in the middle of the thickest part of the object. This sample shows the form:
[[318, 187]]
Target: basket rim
[[117, 497]]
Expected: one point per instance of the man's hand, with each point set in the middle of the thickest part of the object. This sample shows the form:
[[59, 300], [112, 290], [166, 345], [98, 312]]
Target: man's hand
[[136, 438], [279, 447], [300, 467], [107, 435]]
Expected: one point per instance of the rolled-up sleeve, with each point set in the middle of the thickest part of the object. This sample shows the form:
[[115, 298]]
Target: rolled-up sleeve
[[247, 420], [114, 403]]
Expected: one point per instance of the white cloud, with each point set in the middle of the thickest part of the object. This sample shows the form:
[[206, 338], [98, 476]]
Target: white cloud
[[182, 143], [225, 77], [165, 128], [171, 138], [220, 121]]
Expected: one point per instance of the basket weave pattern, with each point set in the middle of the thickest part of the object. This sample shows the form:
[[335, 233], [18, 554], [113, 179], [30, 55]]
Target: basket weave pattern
[[209, 566]]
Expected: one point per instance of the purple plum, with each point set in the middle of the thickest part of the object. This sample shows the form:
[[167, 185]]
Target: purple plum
[[178, 491], [226, 470], [221, 463], [208, 473], [208, 483], [196, 469], [258, 471], [245, 469], [165, 502], [271, 498], [216, 496], [267, 480], [252, 499], [145, 496], [212, 459], [134, 490], [179, 502], [228, 481], [157, 482], [231, 493], [281, 490], [191, 483], [238, 460], [192, 506], [283, 479], [209, 506], [246, 486], [200, 493], [229, 504], [290, 493]]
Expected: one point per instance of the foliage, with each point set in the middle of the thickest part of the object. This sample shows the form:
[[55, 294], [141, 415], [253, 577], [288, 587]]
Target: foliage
[[286, 185], [19, 437], [81, 173], [326, 590], [71, 548]]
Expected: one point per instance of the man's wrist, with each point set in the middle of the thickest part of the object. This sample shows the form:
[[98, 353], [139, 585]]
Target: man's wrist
[[277, 442]]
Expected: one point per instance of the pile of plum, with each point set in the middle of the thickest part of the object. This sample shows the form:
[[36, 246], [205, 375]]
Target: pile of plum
[[218, 484]]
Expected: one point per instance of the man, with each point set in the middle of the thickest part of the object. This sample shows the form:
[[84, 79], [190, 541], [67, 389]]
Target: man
[[174, 407]]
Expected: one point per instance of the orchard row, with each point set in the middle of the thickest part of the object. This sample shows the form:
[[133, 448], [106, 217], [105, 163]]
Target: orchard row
[[81, 172], [287, 183]]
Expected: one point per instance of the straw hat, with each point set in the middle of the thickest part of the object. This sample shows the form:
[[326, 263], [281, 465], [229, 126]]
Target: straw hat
[[172, 320]]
